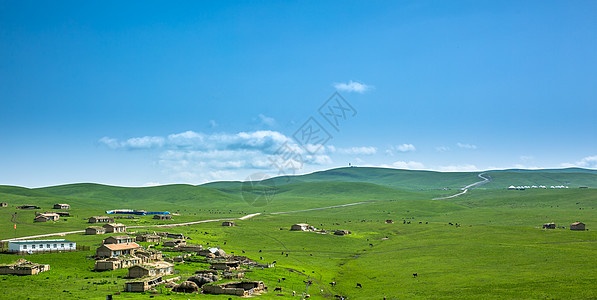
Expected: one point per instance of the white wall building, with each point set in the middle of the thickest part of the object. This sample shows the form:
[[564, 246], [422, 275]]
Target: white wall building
[[30, 246]]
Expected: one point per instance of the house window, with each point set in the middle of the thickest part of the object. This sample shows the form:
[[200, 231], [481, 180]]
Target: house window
[[24, 246], [71, 245], [32, 246], [41, 246], [48, 246], [61, 245], [55, 245]]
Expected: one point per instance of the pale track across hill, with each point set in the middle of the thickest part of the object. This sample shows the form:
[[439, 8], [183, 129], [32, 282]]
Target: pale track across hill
[[186, 223], [471, 186]]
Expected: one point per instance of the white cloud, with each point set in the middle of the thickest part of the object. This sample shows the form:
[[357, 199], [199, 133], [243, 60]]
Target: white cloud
[[459, 168], [587, 162], [408, 165], [110, 142], [352, 86], [357, 150], [442, 148], [466, 146], [406, 148], [146, 142], [267, 120]]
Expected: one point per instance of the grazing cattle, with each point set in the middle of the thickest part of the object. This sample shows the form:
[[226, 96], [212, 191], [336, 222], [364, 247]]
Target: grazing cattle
[[243, 251], [371, 245], [259, 251], [286, 254], [283, 278], [359, 285], [293, 293], [420, 222], [278, 289], [261, 257], [333, 283], [415, 274]]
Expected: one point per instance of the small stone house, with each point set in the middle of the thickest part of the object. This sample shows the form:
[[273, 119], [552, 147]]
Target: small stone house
[[119, 239], [146, 283], [342, 232], [23, 267], [299, 227], [162, 217], [92, 230], [174, 243], [549, 226], [149, 238], [243, 288], [228, 223], [389, 222], [61, 206], [45, 217], [3, 204], [579, 226], [151, 269], [101, 219], [115, 227], [115, 263], [225, 265], [112, 250]]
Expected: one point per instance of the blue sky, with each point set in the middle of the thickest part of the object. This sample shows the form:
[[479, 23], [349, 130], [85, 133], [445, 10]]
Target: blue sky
[[144, 93]]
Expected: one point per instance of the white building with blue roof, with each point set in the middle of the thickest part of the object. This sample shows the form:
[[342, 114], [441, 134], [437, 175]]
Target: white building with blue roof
[[30, 246]]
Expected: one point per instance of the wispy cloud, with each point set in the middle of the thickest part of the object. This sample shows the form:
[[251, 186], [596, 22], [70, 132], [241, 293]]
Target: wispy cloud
[[401, 148], [526, 157], [146, 142], [353, 150], [458, 168], [213, 123], [353, 86], [466, 146], [267, 120], [442, 148], [586, 162], [411, 165]]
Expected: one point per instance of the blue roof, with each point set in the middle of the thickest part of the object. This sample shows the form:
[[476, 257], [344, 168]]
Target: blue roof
[[40, 241]]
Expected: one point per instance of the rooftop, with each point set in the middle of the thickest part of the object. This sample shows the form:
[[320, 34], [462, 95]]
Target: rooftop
[[40, 241], [125, 246]]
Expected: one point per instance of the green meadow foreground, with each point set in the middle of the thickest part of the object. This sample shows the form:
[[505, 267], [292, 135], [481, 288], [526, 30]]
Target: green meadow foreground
[[494, 249]]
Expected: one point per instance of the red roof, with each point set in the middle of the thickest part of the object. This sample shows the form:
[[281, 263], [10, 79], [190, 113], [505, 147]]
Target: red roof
[[126, 246], [576, 223]]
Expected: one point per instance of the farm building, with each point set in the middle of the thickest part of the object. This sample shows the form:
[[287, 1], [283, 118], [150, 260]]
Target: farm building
[[119, 239], [111, 250], [151, 269], [549, 226], [3, 204], [45, 217], [174, 243], [148, 255], [30, 246], [243, 288], [63, 213], [189, 248], [149, 238], [115, 263], [580, 226], [61, 206], [162, 217], [147, 283], [342, 232], [115, 227], [225, 265], [28, 207], [175, 236], [228, 223], [23, 267], [299, 227], [389, 222], [101, 219], [214, 251], [92, 230]]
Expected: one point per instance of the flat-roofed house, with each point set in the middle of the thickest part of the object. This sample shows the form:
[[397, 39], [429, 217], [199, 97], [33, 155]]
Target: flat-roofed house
[[149, 238], [61, 206], [101, 219], [31, 246], [162, 217], [299, 227], [115, 227], [151, 269], [112, 250], [119, 239], [44, 217], [92, 230]]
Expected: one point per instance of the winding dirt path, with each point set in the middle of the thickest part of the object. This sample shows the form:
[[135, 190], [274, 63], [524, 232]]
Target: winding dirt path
[[471, 186]]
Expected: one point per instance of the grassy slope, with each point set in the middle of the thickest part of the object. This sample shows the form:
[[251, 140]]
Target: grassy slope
[[503, 254]]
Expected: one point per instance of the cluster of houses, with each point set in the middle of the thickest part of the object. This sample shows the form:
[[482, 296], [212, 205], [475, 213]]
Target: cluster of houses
[[106, 228], [577, 226], [307, 227], [525, 187]]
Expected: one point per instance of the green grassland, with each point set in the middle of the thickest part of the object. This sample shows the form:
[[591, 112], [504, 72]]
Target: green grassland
[[498, 250]]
